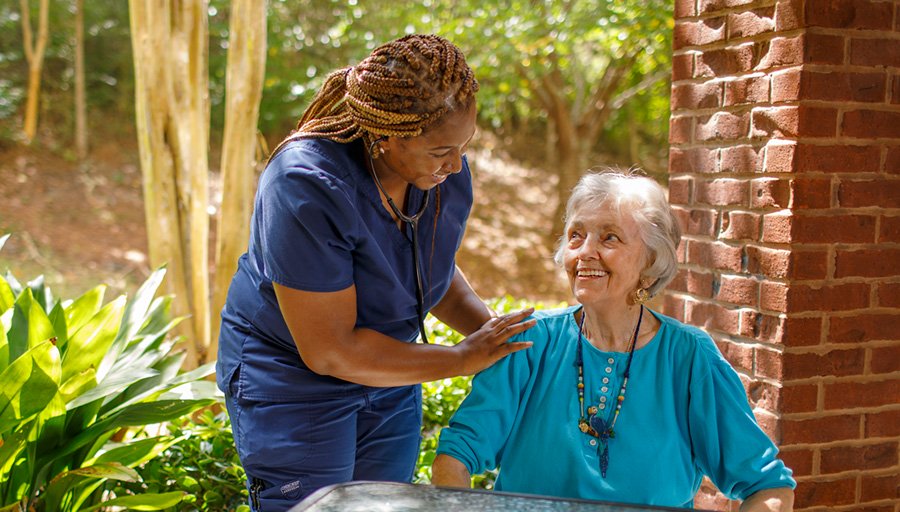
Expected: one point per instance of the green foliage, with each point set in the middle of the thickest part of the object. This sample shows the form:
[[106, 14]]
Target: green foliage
[[203, 463], [76, 375], [441, 398]]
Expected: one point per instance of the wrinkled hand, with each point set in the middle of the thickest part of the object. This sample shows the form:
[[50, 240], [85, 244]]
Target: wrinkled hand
[[489, 344]]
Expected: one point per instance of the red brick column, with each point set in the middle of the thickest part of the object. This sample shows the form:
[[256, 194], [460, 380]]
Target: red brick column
[[785, 172]]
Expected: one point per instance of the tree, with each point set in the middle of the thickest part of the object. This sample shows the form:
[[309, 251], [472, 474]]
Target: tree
[[81, 140], [170, 42], [243, 91], [34, 54]]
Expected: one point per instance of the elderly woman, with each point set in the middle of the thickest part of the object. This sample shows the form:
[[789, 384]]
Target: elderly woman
[[614, 401]]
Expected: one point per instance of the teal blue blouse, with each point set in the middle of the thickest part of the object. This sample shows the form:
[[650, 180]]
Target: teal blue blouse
[[685, 415]]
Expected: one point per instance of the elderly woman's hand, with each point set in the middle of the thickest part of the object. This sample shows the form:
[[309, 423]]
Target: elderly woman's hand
[[780, 499], [490, 343]]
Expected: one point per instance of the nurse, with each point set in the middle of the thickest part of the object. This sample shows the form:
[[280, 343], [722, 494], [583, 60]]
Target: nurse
[[357, 220]]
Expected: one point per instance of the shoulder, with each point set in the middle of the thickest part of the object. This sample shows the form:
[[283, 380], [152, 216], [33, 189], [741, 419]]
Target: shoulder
[[549, 325], [327, 160], [692, 343]]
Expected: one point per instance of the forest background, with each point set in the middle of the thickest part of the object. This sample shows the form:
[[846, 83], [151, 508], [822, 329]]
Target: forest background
[[132, 135]]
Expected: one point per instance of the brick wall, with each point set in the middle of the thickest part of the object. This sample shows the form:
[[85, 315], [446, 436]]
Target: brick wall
[[785, 172]]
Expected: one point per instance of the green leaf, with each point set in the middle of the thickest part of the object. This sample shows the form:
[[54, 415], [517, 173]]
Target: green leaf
[[30, 325], [41, 292], [30, 383], [58, 321], [13, 444], [143, 501], [113, 385], [89, 345], [110, 470], [7, 299], [84, 308], [69, 481], [4, 346]]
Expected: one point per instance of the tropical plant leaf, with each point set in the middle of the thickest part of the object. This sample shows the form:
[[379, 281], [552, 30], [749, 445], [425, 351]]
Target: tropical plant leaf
[[57, 319], [111, 386], [70, 481], [84, 308], [41, 293], [4, 345], [31, 382], [7, 299], [143, 501], [137, 452], [89, 345], [30, 325], [13, 444]]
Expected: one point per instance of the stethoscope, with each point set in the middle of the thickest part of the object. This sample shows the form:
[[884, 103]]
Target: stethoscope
[[413, 222]]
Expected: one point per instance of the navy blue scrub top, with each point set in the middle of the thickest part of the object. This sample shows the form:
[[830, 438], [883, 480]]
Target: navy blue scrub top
[[319, 225]]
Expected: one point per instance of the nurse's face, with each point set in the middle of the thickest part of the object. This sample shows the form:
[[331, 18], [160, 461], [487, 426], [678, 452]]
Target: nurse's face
[[426, 160]]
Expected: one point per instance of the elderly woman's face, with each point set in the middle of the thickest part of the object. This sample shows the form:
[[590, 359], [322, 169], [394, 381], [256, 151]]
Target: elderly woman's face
[[603, 255]]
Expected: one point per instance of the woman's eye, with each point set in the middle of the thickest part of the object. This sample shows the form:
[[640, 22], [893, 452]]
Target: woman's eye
[[574, 235], [612, 237]]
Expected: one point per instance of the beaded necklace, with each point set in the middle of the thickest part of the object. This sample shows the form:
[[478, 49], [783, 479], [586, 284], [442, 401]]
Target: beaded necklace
[[594, 425]]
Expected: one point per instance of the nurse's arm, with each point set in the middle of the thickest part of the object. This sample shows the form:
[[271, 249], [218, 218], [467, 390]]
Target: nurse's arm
[[323, 325], [461, 308], [780, 499], [446, 471]]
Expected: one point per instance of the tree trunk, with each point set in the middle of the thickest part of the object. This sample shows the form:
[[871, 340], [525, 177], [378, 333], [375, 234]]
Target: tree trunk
[[81, 136], [243, 92], [170, 43], [34, 54]]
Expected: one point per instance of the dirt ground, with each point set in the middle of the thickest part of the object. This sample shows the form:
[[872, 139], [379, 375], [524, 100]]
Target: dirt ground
[[83, 224]]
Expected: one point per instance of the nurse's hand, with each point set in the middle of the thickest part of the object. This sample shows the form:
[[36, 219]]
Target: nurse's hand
[[490, 343]]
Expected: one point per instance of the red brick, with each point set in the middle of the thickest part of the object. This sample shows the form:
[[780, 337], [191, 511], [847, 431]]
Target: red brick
[[879, 488], [889, 295], [878, 262], [777, 227], [875, 52], [848, 458], [768, 262], [805, 331], [832, 492], [820, 430], [773, 296], [895, 89], [762, 327], [780, 52], [770, 193], [769, 363], [858, 14], [694, 96], [867, 327], [824, 49], [693, 160], [882, 424], [834, 229], [699, 283], [723, 126], [742, 91], [751, 23], [817, 122], [712, 316], [726, 61], [788, 15], [845, 158], [885, 359], [710, 6], [681, 129], [838, 297], [871, 124], [780, 156], [882, 192], [738, 290], [685, 9], [721, 192], [799, 397], [698, 33], [769, 424], [680, 190], [890, 229], [741, 159], [775, 122], [892, 162], [740, 226], [841, 395], [682, 66], [673, 307], [842, 86], [799, 460], [714, 255], [811, 193], [837, 363], [740, 356], [764, 396], [696, 221], [811, 264], [786, 85]]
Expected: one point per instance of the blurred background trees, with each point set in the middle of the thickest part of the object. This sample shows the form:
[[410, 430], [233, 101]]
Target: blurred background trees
[[565, 85]]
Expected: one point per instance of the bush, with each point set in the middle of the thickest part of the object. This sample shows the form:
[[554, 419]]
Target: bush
[[76, 376]]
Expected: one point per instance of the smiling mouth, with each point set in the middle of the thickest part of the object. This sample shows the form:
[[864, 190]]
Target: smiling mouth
[[585, 272]]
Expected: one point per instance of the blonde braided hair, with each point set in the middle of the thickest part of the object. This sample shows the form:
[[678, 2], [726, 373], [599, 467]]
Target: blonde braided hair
[[399, 90]]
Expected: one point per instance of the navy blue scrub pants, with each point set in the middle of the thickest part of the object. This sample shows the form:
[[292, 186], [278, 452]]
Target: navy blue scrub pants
[[289, 450]]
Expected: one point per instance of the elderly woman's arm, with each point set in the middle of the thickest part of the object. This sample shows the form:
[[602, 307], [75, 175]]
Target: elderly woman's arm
[[449, 472], [780, 499]]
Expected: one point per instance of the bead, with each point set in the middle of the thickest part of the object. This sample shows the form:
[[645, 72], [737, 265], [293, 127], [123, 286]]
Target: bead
[[580, 385], [621, 398]]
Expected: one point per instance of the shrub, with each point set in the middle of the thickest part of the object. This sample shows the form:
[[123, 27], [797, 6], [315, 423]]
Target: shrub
[[75, 377]]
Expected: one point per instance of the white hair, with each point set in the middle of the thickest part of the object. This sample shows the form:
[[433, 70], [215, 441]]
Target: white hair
[[633, 193]]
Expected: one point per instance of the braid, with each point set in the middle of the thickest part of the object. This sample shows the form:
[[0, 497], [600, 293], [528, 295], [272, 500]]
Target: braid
[[399, 90]]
